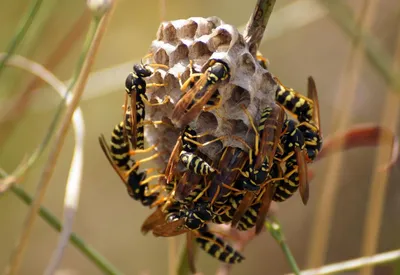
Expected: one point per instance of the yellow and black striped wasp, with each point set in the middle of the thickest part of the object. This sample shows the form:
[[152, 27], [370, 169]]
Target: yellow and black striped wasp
[[135, 87], [193, 101], [306, 110], [119, 156], [256, 171]]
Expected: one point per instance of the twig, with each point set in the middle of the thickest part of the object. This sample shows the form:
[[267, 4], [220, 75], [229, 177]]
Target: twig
[[85, 62], [377, 191], [355, 264], [22, 29], [275, 229], [87, 250], [348, 83], [258, 21]]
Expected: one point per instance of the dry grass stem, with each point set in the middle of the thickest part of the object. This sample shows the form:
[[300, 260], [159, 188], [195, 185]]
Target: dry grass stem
[[348, 83], [72, 189], [77, 91], [48, 77], [355, 264], [16, 109], [377, 192]]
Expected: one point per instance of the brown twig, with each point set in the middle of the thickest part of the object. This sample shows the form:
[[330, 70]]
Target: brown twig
[[96, 33], [258, 21], [323, 218]]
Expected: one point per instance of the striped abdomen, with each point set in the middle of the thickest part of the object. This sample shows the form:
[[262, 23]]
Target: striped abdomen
[[294, 103], [285, 188], [217, 248], [195, 163], [119, 147]]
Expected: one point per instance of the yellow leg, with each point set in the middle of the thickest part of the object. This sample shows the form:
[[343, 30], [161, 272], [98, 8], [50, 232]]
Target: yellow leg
[[190, 80], [205, 143], [309, 125], [134, 167], [207, 109], [166, 100], [140, 151], [288, 156], [257, 134], [200, 195], [147, 180], [246, 175], [151, 122]]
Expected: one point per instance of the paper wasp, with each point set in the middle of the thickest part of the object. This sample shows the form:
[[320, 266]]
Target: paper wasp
[[192, 103], [312, 129], [253, 176], [185, 150], [207, 240], [221, 184], [135, 87], [119, 157]]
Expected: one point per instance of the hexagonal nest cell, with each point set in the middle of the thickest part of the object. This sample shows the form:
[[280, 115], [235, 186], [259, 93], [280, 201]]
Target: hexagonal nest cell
[[200, 40]]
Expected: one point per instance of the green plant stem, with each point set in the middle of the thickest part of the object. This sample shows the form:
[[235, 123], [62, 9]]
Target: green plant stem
[[275, 229], [22, 29], [94, 256], [258, 21], [377, 56]]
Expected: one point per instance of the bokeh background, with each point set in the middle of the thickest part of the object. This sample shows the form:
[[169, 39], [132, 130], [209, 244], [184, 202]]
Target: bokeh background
[[107, 218]]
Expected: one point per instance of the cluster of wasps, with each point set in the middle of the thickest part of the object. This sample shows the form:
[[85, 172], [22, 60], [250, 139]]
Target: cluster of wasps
[[193, 192]]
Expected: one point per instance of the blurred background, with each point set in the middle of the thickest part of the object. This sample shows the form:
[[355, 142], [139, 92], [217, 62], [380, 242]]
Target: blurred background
[[298, 43]]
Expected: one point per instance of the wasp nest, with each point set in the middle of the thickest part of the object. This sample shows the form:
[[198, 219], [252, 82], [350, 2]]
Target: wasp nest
[[199, 40]]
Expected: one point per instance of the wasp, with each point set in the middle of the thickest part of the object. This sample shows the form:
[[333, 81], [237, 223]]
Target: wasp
[[185, 151], [294, 160], [312, 129], [181, 221], [119, 157], [135, 87], [192, 103], [221, 185], [185, 218], [256, 171]]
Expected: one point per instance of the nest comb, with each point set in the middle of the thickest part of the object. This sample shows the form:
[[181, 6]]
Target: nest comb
[[200, 40]]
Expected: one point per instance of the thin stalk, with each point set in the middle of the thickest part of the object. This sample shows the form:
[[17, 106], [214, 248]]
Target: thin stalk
[[81, 73], [321, 227], [22, 29], [341, 267], [378, 186], [275, 229], [258, 21]]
